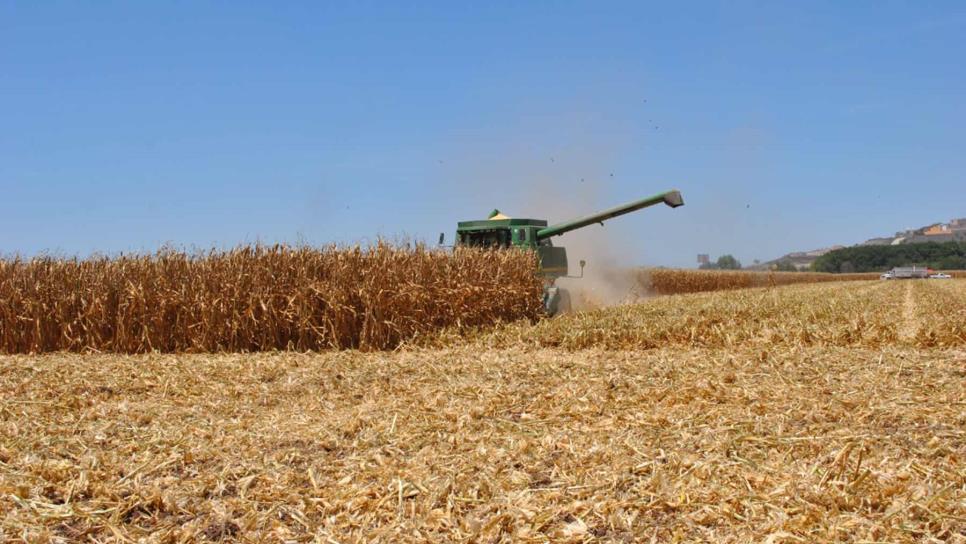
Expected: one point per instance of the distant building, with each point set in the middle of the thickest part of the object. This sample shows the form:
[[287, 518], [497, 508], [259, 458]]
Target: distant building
[[940, 232], [954, 231], [936, 229], [703, 258]]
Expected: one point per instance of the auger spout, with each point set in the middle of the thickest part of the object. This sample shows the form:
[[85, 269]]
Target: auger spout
[[671, 198]]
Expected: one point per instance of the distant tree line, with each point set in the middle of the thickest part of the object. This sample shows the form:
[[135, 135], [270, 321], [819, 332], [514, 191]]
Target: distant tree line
[[724, 262], [935, 255], [785, 265]]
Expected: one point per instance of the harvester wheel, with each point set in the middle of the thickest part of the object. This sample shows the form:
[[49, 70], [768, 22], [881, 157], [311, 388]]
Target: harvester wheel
[[556, 301], [563, 303]]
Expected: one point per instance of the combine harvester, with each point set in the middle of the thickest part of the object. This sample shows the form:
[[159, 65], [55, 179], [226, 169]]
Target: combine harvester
[[500, 231]]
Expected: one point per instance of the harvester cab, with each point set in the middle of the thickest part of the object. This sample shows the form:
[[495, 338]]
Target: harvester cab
[[501, 231]]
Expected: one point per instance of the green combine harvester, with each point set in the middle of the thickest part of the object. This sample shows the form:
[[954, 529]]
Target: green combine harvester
[[500, 231]]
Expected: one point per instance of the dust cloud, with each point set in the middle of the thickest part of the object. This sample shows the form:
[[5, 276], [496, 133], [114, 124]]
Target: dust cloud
[[606, 282], [612, 275]]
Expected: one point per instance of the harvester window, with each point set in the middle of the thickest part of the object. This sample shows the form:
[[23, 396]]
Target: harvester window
[[489, 238]]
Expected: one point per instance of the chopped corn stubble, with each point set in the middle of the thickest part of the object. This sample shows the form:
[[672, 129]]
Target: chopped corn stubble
[[813, 413]]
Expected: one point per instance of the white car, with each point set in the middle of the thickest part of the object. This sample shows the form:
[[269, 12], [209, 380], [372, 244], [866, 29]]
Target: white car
[[940, 276], [886, 276]]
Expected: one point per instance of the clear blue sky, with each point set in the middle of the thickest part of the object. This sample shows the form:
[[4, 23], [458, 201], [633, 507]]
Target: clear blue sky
[[787, 126]]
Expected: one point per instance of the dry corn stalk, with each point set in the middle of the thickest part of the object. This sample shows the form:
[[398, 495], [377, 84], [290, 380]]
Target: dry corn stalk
[[259, 298], [670, 281]]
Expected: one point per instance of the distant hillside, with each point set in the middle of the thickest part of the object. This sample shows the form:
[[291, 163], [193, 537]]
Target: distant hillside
[[953, 231], [799, 260]]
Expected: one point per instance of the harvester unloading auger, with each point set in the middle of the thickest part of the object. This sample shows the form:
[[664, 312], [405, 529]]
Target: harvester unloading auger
[[502, 231]]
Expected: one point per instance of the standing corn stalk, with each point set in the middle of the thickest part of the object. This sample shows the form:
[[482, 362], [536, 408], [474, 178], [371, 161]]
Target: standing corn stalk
[[259, 298]]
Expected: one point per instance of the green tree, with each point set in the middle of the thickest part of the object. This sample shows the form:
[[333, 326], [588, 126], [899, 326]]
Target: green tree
[[937, 255], [785, 265], [728, 262], [951, 262]]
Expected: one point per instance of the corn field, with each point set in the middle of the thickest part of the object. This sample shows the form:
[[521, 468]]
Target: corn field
[[677, 281], [297, 298], [259, 298]]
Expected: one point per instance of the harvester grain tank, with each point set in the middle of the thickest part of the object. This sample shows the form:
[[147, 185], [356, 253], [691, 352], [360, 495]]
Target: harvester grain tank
[[501, 231]]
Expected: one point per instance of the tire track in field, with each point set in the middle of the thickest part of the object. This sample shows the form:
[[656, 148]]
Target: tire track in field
[[909, 327]]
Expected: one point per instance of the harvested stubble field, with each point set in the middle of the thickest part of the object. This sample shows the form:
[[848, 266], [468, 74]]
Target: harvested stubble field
[[832, 412]]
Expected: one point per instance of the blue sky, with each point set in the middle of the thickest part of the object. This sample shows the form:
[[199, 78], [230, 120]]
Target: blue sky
[[786, 125]]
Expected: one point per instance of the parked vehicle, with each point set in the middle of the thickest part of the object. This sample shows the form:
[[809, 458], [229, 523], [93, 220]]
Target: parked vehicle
[[940, 276], [887, 276], [910, 273]]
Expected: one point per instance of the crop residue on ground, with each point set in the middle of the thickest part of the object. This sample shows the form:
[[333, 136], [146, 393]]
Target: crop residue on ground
[[764, 434]]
